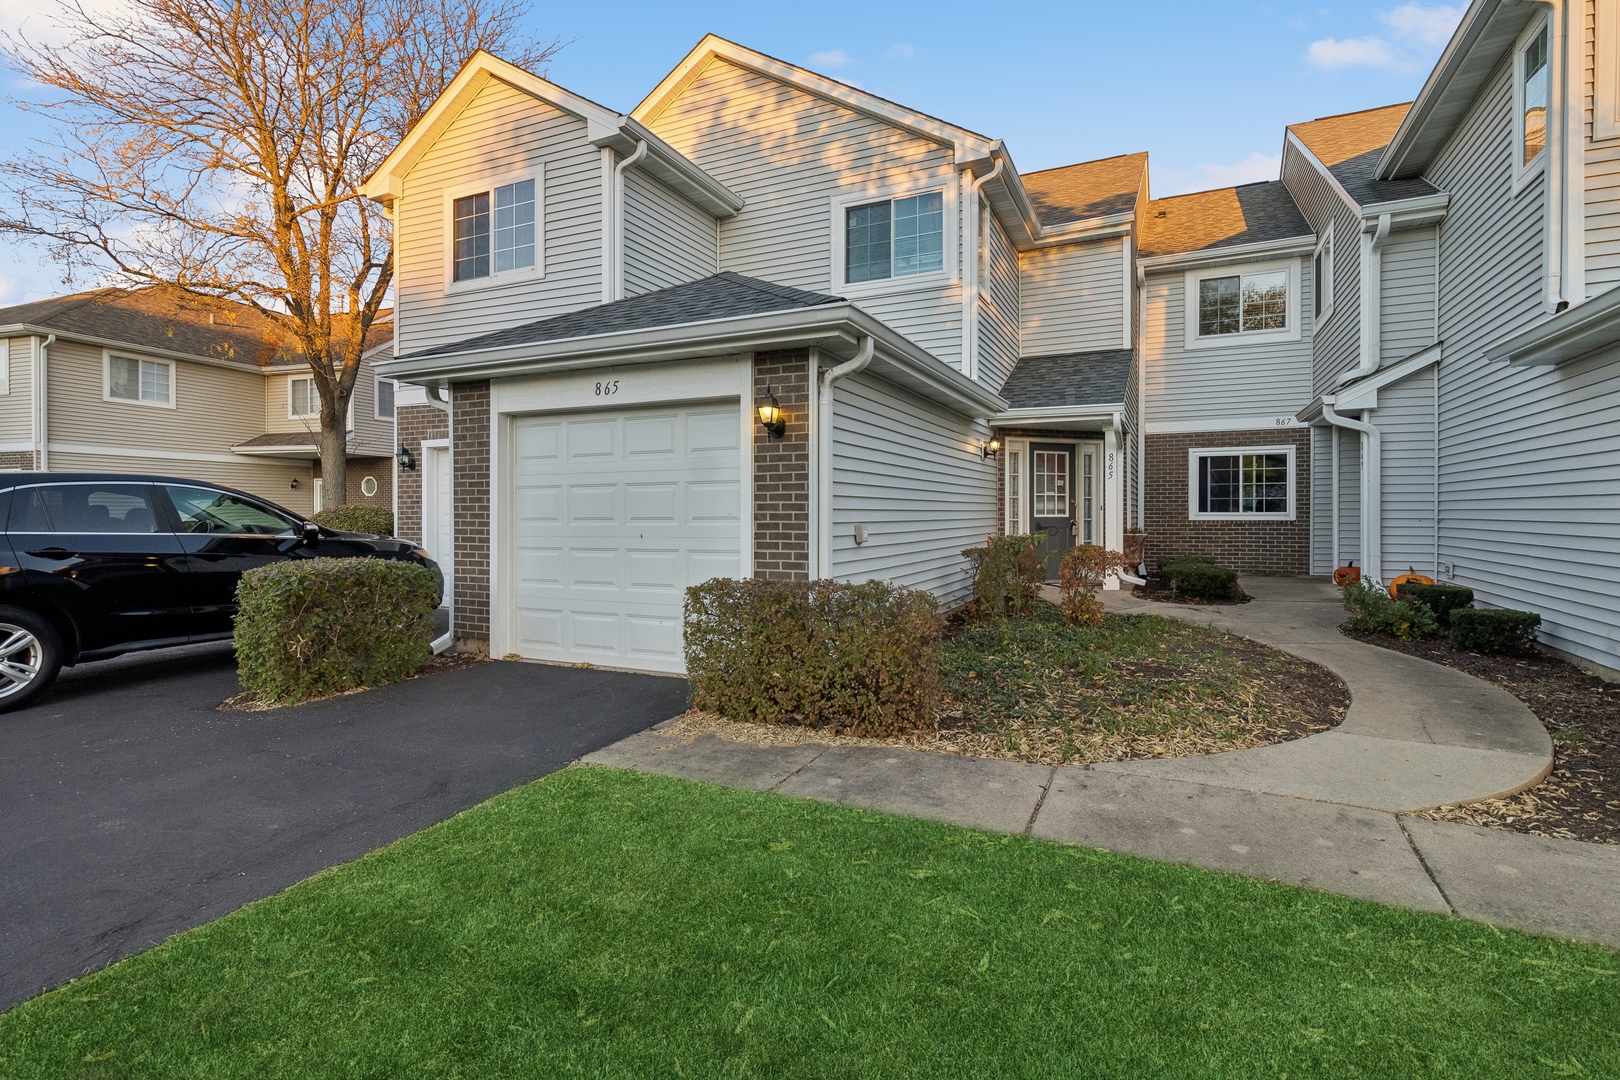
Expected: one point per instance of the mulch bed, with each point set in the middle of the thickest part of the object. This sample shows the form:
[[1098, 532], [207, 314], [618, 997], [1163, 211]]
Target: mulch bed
[[248, 700], [1580, 800], [1155, 590]]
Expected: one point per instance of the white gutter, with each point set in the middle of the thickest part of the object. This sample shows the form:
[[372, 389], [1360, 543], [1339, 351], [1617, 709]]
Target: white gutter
[[42, 403], [1372, 535], [970, 270], [613, 271], [1373, 236], [824, 441]]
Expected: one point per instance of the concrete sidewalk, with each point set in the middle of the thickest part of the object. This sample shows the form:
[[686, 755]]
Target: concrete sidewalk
[[1325, 812]]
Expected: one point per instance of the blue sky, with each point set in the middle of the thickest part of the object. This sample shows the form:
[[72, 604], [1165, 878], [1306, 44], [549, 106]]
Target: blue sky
[[1206, 88]]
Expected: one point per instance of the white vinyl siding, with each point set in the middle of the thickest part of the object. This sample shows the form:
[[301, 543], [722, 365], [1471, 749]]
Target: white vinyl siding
[[1322, 500], [1073, 298], [792, 156], [1405, 420], [501, 133], [1349, 497], [1337, 341], [911, 472], [1603, 155], [998, 313], [667, 240], [16, 406], [1259, 379], [1406, 295]]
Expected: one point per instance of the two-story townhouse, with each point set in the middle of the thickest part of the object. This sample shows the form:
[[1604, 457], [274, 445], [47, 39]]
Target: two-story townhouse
[[155, 381]]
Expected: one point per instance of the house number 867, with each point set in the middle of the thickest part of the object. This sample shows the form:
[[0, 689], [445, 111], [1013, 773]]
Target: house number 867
[[607, 389]]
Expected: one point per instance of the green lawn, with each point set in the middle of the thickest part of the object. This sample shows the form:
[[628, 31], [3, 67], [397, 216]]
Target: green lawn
[[600, 923]]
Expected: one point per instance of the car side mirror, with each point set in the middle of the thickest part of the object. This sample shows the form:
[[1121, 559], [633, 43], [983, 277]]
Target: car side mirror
[[312, 532]]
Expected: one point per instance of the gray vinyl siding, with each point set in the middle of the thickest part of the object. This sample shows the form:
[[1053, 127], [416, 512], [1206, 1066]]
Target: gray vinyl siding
[[268, 478], [1072, 298], [790, 155], [17, 404], [998, 318], [1530, 466], [1406, 295], [911, 472], [501, 133], [1349, 497], [1129, 444], [1602, 189], [371, 435], [1213, 384], [1405, 421], [1322, 500], [1338, 339], [667, 240]]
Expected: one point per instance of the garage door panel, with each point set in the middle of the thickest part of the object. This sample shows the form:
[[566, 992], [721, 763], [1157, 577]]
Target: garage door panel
[[617, 515]]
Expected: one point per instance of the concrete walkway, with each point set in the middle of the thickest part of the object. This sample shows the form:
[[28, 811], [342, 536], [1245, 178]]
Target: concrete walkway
[[1325, 812]]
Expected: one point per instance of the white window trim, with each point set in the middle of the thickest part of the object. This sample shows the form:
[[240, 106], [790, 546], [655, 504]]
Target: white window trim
[[1015, 523], [949, 274], [1227, 451], [106, 379], [537, 272], [1243, 337], [376, 398], [1317, 281], [1523, 174], [1606, 71], [291, 415]]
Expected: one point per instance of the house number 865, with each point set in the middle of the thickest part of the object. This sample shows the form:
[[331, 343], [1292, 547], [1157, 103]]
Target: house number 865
[[607, 389]]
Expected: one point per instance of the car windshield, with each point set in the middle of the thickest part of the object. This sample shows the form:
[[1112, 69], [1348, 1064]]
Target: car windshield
[[203, 510]]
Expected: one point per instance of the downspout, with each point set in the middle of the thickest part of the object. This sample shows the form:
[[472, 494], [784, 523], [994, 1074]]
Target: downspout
[[1372, 539], [1372, 276], [1334, 431], [824, 419], [1141, 404], [970, 273], [616, 263], [1114, 520], [42, 404]]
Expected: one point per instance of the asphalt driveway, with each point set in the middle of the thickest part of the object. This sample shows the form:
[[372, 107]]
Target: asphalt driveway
[[131, 808]]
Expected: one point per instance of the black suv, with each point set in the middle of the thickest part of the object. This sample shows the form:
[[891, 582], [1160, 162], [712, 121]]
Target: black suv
[[99, 564]]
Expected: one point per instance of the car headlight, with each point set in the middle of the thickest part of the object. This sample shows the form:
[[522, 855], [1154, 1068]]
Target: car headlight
[[421, 553]]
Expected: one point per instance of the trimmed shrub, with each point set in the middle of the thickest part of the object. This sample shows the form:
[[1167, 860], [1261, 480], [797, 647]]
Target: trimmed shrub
[[1494, 630], [312, 627], [376, 520], [1373, 612], [1440, 599], [1007, 575], [860, 659], [1081, 573], [1198, 576]]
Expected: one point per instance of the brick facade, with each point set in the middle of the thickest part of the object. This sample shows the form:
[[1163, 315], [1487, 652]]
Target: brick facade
[[470, 449], [23, 460], [379, 468], [415, 423], [782, 469], [1255, 547]]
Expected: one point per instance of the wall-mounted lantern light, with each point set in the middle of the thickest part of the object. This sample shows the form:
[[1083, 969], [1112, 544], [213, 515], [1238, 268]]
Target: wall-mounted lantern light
[[771, 418], [990, 449], [404, 457]]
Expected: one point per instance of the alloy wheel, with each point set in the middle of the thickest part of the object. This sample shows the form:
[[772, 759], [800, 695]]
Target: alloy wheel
[[21, 655]]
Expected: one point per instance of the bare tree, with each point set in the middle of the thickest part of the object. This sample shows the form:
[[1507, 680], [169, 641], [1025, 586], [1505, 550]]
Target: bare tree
[[218, 146]]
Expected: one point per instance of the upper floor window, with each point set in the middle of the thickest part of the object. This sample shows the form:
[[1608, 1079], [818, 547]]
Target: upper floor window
[[149, 382], [493, 232], [303, 400], [1533, 59], [385, 399], [1231, 305], [1322, 275], [894, 238]]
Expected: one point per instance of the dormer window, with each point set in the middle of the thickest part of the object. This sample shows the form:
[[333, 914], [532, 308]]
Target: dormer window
[[894, 238], [495, 231]]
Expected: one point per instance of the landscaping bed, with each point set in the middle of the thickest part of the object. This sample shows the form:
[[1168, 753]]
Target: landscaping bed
[[1158, 591], [1038, 689], [604, 923], [1580, 800]]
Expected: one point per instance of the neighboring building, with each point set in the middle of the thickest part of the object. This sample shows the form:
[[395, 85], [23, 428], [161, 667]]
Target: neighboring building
[[593, 306], [156, 381]]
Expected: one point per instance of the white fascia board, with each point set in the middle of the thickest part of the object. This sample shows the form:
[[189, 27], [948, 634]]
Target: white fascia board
[[298, 450], [968, 145], [12, 330], [1081, 232], [1393, 161], [1363, 394], [665, 164], [835, 328], [1267, 249], [1098, 416], [1573, 334], [1410, 213]]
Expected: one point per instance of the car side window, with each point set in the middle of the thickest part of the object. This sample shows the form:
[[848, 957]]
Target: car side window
[[83, 508], [204, 510]]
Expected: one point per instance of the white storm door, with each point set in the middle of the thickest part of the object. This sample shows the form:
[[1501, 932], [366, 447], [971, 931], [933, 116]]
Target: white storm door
[[615, 514], [436, 513]]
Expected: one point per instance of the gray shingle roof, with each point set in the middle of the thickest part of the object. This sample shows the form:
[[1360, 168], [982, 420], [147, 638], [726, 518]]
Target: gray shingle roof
[[1068, 380], [1350, 146], [1086, 190], [723, 296], [1225, 217]]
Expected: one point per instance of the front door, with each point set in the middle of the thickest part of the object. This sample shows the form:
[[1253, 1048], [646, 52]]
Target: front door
[[1051, 500]]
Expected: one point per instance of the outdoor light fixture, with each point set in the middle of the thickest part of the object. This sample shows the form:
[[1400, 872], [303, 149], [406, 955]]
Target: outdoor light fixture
[[403, 456], [771, 418], [990, 449]]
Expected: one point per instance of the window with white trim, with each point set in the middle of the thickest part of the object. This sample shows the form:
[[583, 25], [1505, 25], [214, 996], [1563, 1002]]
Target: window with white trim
[[146, 382], [1322, 275], [1534, 75], [303, 400], [1015, 480], [385, 398], [494, 232], [894, 238], [1255, 482], [1243, 303]]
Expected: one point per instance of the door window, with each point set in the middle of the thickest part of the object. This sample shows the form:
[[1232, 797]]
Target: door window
[[1051, 490], [83, 508], [203, 510], [1088, 497]]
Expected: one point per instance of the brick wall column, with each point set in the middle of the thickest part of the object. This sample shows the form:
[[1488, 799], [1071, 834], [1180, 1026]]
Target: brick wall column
[[782, 469], [470, 450]]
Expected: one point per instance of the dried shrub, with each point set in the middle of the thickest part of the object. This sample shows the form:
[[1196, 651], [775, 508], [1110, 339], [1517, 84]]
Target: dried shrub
[[376, 520], [1373, 612], [1081, 573], [1499, 631], [322, 626], [1007, 575], [858, 659]]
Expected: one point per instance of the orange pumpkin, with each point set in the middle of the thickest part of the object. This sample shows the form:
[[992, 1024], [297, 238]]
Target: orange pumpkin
[[1347, 575], [1411, 576]]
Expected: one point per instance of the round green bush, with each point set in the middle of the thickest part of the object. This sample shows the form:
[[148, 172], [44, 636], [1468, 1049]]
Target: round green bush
[[1198, 576], [376, 520]]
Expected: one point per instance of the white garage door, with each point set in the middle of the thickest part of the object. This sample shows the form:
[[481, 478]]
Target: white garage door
[[616, 514]]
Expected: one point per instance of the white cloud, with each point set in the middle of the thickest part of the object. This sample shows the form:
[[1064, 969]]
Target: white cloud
[[1427, 26], [1331, 54], [41, 21], [901, 52], [832, 58], [1207, 174], [1417, 32]]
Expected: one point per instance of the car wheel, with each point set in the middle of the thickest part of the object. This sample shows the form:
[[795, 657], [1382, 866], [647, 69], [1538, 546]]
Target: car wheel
[[30, 657]]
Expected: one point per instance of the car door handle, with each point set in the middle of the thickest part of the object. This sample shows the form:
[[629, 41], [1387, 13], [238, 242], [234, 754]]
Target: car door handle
[[53, 553]]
